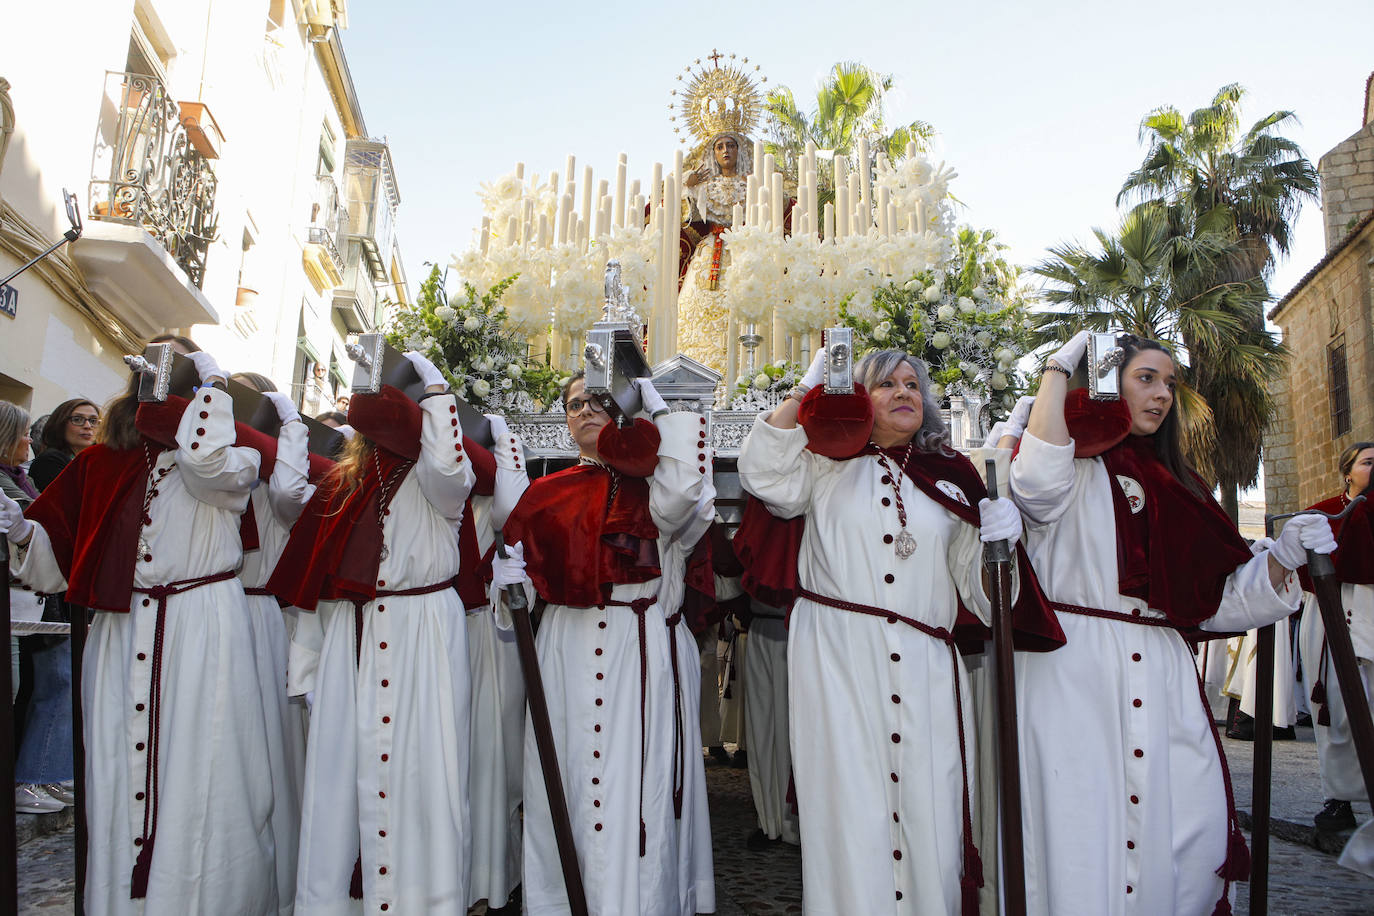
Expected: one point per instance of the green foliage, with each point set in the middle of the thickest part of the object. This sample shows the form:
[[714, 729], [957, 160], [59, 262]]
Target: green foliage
[[780, 376], [466, 338]]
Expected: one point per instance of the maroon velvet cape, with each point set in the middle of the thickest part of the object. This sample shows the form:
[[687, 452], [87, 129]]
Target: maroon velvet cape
[[1354, 554], [586, 529]]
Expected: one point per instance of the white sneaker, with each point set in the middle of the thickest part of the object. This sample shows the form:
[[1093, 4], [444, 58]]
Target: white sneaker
[[59, 791], [31, 799]]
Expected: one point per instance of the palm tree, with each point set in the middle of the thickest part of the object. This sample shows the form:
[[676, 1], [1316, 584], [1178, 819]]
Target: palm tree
[[849, 106], [1151, 280], [1249, 187]]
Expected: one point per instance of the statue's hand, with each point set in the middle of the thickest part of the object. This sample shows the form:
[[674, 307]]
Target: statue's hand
[[695, 177]]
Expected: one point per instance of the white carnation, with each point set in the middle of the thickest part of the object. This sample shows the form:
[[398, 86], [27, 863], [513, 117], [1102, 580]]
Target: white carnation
[[933, 293], [481, 388], [514, 370], [945, 312], [967, 305], [472, 324], [444, 313], [998, 382], [939, 340], [761, 381]]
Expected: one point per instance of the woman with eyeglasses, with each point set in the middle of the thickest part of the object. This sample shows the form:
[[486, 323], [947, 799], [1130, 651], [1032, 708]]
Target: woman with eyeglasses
[[45, 755], [1126, 803], [143, 527], [601, 549]]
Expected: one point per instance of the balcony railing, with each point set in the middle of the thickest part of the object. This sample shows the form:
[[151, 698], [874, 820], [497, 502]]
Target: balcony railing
[[148, 173], [372, 198], [356, 298]]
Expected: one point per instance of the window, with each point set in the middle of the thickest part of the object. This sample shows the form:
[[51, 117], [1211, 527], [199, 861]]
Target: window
[[325, 165], [1339, 387]]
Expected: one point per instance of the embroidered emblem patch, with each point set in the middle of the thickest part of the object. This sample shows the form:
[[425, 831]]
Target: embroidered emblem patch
[[1135, 493], [952, 491]]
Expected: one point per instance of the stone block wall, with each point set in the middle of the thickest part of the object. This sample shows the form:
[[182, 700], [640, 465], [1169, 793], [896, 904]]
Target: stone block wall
[[1301, 447], [1347, 177]]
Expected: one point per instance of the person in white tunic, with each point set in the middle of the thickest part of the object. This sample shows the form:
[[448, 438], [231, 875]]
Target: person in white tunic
[[497, 733], [275, 508], [1125, 802], [179, 781], [606, 551], [879, 717], [385, 823], [765, 719], [1342, 781]]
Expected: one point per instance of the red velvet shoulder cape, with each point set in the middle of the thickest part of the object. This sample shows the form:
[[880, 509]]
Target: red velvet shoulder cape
[[1354, 555], [585, 529]]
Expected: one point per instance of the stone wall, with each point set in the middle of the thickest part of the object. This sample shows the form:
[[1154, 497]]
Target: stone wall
[[1301, 453], [1347, 176]]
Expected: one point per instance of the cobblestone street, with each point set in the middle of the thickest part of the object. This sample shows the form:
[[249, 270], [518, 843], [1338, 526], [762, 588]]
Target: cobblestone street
[[1304, 881]]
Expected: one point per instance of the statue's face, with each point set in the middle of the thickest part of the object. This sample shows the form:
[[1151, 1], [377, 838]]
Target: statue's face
[[726, 151], [1147, 387]]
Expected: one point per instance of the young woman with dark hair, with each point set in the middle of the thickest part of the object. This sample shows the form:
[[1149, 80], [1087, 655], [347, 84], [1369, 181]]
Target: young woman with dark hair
[[143, 527], [1126, 804]]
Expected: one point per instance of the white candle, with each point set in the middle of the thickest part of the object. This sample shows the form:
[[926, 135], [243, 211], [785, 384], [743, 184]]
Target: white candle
[[564, 210], [656, 189], [622, 164], [865, 170], [843, 212], [485, 243], [751, 194], [776, 199], [737, 215], [920, 217], [857, 225], [769, 167], [635, 215], [838, 170], [512, 231], [910, 149], [892, 227], [884, 227], [544, 233], [587, 196], [830, 221], [520, 170], [570, 170]]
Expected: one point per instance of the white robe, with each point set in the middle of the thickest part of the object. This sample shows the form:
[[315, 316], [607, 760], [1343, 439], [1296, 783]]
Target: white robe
[[590, 662], [1340, 768], [1240, 682], [214, 844], [388, 756], [765, 720], [276, 506], [1124, 807], [497, 731], [875, 734]]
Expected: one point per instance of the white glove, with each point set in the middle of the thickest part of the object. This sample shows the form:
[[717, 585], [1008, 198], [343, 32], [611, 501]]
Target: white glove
[[428, 372], [1260, 545], [648, 396], [347, 431], [310, 699], [815, 374], [12, 521], [510, 569], [999, 520], [286, 411], [1072, 352], [1014, 425], [499, 427], [1301, 534], [206, 367]]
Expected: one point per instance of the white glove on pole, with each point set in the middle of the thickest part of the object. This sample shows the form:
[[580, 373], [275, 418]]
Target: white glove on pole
[[815, 373], [12, 521], [499, 427], [428, 372], [1069, 355], [1299, 535], [206, 367], [286, 411], [1020, 415], [648, 396], [999, 520], [347, 432], [510, 569]]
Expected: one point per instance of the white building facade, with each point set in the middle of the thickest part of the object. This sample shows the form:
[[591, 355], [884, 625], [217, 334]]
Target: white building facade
[[227, 185]]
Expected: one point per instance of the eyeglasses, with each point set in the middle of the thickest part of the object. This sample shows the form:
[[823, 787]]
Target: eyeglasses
[[575, 406], [78, 420]]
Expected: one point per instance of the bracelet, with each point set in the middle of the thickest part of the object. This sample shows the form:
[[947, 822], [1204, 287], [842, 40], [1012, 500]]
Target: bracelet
[[1052, 366], [797, 394], [662, 411]]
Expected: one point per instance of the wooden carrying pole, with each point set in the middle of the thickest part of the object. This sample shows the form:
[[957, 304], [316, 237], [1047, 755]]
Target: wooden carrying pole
[[543, 739], [9, 843], [997, 559]]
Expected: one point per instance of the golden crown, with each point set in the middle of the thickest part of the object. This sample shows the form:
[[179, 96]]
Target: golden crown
[[718, 97]]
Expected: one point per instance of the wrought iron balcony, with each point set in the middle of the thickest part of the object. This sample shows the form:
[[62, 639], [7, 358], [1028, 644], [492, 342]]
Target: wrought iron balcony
[[149, 172], [322, 257], [372, 198], [356, 298]]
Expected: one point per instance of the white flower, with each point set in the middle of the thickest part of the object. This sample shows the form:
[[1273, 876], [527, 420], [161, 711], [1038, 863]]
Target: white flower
[[979, 293], [514, 370], [944, 312], [780, 364], [882, 330], [485, 365], [444, 313], [472, 324], [937, 390], [761, 381], [983, 338], [966, 305], [1006, 355], [481, 387], [914, 285], [939, 340], [506, 384], [998, 381], [932, 293]]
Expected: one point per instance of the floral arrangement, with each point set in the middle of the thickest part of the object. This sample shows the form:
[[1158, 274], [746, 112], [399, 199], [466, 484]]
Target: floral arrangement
[[469, 339], [967, 319], [765, 388]]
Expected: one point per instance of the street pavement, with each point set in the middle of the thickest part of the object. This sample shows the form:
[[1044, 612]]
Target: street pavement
[[1304, 881]]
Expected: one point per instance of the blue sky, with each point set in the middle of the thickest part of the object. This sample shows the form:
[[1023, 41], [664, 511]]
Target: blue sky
[[1037, 104]]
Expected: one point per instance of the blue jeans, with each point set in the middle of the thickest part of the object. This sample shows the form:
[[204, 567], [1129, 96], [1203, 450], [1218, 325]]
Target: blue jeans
[[46, 754]]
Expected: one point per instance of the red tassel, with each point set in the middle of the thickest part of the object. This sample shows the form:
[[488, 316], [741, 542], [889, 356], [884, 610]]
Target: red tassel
[[1237, 864], [972, 879], [1223, 907], [355, 885], [1324, 716], [1319, 693], [142, 865], [643, 839]]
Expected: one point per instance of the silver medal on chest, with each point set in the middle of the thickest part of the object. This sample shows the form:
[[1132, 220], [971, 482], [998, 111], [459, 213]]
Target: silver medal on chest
[[386, 552], [905, 544]]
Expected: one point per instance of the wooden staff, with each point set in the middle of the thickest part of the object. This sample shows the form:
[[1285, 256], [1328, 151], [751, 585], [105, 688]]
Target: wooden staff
[[1261, 781], [9, 842], [78, 647], [997, 560], [543, 739]]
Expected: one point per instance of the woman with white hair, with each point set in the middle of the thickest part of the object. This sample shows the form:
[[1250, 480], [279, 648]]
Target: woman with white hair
[[891, 549]]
